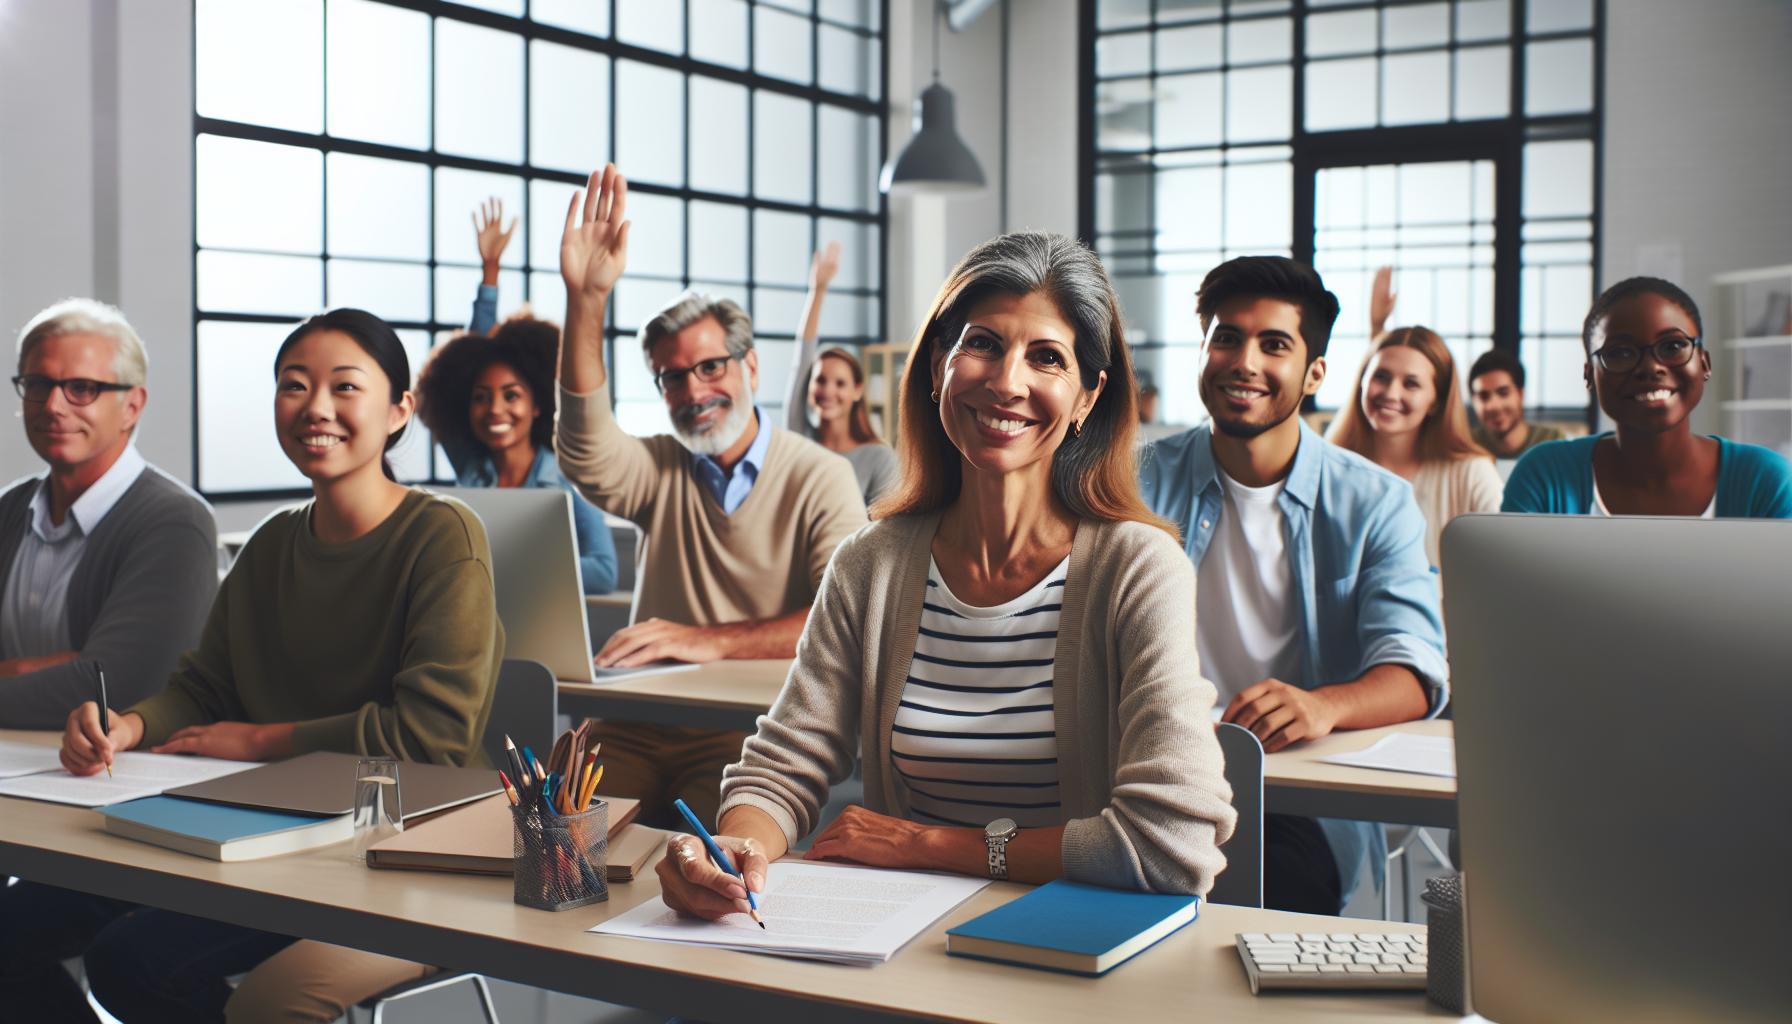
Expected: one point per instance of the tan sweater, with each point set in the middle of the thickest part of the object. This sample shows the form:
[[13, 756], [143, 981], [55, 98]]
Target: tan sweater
[[1447, 488], [704, 566], [1141, 780], [388, 645]]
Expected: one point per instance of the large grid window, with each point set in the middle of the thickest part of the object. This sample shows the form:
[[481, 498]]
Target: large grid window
[[1456, 140], [341, 146]]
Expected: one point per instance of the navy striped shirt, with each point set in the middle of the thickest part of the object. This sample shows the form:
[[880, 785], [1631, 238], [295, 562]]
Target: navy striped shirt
[[975, 739]]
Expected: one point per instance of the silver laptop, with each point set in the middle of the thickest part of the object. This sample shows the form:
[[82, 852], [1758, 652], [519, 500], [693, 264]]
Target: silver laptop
[[535, 564], [1623, 703]]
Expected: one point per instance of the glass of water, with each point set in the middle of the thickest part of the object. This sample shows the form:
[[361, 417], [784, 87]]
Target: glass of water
[[378, 812]]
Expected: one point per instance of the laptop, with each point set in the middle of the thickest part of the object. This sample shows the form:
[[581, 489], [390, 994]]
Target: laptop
[[535, 565], [1623, 695]]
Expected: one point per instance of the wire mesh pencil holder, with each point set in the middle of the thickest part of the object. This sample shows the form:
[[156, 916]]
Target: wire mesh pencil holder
[[560, 857], [1446, 969]]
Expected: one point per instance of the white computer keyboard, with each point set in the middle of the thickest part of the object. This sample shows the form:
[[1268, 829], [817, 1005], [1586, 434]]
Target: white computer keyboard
[[1362, 960]]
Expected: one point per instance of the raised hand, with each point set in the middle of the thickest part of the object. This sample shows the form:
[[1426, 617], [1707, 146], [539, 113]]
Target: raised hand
[[492, 235], [594, 246], [1381, 300], [825, 265]]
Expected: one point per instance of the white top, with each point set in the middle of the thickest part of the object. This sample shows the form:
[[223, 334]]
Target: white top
[[34, 607], [1247, 622], [1447, 488], [1601, 511], [975, 738]]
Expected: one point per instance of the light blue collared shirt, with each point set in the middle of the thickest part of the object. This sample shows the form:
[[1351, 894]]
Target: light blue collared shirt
[[34, 606], [731, 489], [1357, 563]]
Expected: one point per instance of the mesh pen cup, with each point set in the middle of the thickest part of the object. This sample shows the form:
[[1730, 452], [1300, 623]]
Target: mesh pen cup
[[560, 857], [1446, 974]]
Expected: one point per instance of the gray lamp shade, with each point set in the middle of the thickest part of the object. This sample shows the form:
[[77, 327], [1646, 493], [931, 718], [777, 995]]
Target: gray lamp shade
[[935, 159]]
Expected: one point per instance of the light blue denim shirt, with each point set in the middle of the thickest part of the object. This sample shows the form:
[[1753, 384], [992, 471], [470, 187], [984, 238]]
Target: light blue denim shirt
[[730, 489], [1356, 549], [485, 309]]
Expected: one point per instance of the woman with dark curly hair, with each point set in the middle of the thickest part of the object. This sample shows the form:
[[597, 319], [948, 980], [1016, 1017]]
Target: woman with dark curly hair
[[490, 404]]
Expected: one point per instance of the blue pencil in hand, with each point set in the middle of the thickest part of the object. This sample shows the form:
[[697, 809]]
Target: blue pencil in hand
[[720, 856]]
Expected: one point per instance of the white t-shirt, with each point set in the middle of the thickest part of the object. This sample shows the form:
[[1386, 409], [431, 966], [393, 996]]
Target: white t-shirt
[[1247, 623], [1599, 510]]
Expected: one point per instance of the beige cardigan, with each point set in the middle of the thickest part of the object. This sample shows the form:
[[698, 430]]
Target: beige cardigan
[[1144, 797]]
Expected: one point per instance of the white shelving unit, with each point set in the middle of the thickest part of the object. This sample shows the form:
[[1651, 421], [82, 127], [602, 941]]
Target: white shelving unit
[[1752, 322]]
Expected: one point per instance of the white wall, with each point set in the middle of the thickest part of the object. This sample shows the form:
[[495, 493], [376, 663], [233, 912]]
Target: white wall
[[1698, 145]]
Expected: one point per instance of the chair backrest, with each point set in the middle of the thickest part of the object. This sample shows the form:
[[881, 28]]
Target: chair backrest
[[524, 708], [1241, 884]]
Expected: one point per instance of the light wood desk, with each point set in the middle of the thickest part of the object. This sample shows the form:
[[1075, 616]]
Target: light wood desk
[[733, 694], [460, 921]]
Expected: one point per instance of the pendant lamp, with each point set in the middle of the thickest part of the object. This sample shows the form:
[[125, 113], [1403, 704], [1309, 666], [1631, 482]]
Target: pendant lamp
[[935, 160]]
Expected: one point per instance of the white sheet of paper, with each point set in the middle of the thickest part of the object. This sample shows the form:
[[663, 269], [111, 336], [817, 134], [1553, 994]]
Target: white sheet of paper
[[1421, 755], [616, 675], [26, 759], [135, 774], [830, 912]]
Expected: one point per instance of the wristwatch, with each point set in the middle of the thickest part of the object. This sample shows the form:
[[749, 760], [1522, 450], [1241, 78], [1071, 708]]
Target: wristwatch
[[996, 836]]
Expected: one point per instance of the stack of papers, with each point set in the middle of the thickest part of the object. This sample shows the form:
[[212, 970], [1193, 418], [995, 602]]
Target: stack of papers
[[1420, 755], [843, 915], [135, 774]]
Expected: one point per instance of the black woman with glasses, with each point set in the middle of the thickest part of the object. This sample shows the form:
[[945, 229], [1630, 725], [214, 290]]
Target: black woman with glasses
[[103, 558], [1648, 367]]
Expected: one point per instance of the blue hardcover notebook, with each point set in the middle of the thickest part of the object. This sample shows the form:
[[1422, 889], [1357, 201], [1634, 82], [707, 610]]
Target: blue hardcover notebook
[[220, 831], [1066, 926]]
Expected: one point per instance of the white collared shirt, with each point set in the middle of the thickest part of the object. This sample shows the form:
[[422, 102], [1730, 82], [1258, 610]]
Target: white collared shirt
[[34, 606]]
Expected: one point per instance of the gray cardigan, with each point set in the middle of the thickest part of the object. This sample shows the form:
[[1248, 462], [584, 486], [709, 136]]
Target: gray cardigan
[[138, 599], [1141, 778]]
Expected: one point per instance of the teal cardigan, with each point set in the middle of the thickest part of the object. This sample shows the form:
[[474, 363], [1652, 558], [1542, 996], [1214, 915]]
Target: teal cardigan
[[1557, 478]]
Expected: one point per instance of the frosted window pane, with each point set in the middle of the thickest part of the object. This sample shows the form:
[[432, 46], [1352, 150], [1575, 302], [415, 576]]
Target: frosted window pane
[[378, 207], [234, 182], [231, 282], [260, 63], [1420, 25], [393, 291], [1340, 94], [479, 92], [718, 241], [569, 107], [547, 296], [1188, 208], [548, 201], [650, 123], [781, 45], [458, 194], [1345, 32], [1196, 46], [1259, 104], [1122, 13], [1553, 372], [1483, 19], [847, 159], [1121, 202], [514, 8], [719, 32], [456, 287], [781, 248], [1415, 88], [848, 316], [1558, 77], [776, 311], [1188, 110], [799, 6], [639, 300], [718, 136], [781, 147], [238, 450], [1558, 15], [592, 16], [1258, 200], [1558, 179], [655, 24], [1127, 54], [858, 252], [1259, 40], [379, 50], [847, 61], [1567, 293], [1483, 82], [1123, 115], [859, 13], [656, 237], [1435, 193]]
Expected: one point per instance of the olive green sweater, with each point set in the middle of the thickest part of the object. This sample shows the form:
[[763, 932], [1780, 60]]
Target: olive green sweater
[[387, 645]]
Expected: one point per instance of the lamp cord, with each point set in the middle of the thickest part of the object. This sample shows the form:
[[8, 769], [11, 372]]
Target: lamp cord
[[936, 39]]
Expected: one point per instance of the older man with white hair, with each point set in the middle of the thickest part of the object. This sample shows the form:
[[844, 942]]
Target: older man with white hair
[[741, 516], [104, 559]]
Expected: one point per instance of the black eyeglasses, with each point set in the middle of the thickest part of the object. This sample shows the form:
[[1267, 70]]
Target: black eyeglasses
[[1675, 350], [708, 371], [78, 390]]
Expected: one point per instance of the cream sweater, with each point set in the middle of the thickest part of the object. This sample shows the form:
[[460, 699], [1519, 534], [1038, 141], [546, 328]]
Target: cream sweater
[[1447, 488], [1145, 803], [704, 566]]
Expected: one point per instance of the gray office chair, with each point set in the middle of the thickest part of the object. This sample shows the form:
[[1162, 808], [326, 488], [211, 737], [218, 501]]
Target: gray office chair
[[523, 708], [1241, 884]]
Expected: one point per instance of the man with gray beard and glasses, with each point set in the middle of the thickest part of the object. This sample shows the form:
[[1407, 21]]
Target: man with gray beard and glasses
[[741, 516]]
